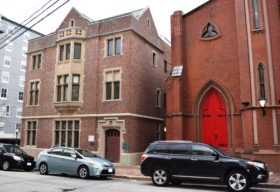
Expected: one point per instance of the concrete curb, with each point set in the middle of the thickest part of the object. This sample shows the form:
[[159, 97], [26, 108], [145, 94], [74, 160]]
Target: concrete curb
[[143, 178], [267, 185]]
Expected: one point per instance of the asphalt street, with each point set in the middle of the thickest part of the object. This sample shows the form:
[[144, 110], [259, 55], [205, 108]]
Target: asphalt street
[[19, 181]]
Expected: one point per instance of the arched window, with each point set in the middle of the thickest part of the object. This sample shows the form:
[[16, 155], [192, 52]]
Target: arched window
[[261, 80]]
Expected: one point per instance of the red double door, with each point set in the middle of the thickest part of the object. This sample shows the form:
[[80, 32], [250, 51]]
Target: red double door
[[214, 121]]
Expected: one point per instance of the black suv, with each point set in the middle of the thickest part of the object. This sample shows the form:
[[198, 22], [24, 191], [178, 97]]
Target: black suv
[[178, 161], [13, 157]]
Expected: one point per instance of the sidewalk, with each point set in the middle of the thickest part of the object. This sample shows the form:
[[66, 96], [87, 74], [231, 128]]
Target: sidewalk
[[133, 172]]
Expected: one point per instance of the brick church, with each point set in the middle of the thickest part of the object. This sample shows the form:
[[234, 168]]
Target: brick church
[[224, 88]]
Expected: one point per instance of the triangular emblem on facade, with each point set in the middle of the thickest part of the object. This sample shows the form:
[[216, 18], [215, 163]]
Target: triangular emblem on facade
[[209, 32]]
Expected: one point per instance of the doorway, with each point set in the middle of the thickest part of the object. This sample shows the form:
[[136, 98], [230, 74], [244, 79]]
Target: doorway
[[214, 121], [112, 145]]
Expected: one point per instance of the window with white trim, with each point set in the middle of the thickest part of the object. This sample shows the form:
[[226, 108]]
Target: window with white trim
[[2, 111], [23, 66], [69, 51], [114, 46], [36, 61], [112, 85], [20, 96], [21, 81], [66, 133], [7, 61], [5, 77], [4, 93], [19, 112], [34, 90], [31, 133], [7, 111], [2, 126]]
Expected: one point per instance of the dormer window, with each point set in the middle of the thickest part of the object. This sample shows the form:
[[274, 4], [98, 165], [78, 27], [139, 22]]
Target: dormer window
[[210, 32], [72, 23]]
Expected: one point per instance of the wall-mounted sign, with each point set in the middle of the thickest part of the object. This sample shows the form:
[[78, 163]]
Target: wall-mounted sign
[[177, 71], [91, 138]]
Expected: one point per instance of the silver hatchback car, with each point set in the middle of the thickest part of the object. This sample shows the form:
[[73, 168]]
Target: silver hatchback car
[[74, 162]]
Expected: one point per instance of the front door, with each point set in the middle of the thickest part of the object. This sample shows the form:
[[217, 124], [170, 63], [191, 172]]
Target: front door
[[112, 149], [214, 121]]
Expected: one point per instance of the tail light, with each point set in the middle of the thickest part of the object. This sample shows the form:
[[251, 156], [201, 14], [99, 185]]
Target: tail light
[[144, 157]]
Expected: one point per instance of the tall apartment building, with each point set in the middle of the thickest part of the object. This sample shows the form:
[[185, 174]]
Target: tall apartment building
[[12, 76], [98, 85], [225, 59]]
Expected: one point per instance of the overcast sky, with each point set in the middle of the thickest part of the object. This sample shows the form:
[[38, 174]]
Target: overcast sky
[[19, 10]]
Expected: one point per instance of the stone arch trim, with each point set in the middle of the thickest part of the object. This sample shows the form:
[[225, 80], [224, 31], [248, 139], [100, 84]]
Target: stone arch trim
[[228, 100], [106, 124]]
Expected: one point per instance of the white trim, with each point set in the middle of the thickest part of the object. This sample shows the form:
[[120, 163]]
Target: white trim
[[271, 74], [252, 77], [9, 59], [94, 115]]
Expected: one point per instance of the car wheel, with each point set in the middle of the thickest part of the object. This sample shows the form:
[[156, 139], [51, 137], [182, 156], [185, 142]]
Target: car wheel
[[160, 176], [43, 169], [83, 172], [6, 166], [237, 181]]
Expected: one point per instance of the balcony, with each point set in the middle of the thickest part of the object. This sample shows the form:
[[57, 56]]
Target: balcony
[[67, 107], [70, 33]]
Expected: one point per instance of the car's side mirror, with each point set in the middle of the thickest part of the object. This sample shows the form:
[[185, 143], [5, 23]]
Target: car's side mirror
[[215, 154]]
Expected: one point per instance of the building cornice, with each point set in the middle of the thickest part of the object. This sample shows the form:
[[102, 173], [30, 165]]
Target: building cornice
[[94, 115]]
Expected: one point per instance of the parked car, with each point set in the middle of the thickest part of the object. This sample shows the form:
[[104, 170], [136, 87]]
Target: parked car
[[74, 162], [13, 157], [178, 161]]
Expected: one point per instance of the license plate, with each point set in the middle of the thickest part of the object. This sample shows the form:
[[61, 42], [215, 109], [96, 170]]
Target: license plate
[[110, 170], [29, 164]]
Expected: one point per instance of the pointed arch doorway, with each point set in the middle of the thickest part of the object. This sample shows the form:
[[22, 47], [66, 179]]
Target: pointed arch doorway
[[214, 121]]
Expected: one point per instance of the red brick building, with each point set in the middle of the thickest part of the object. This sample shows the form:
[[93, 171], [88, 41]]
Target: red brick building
[[97, 85], [229, 52]]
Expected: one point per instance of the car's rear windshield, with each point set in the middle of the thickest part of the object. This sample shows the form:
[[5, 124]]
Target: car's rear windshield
[[13, 149], [86, 153]]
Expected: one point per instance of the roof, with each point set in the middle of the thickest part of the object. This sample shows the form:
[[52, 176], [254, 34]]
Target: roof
[[199, 7], [136, 14], [20, 25], [174, 141]]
